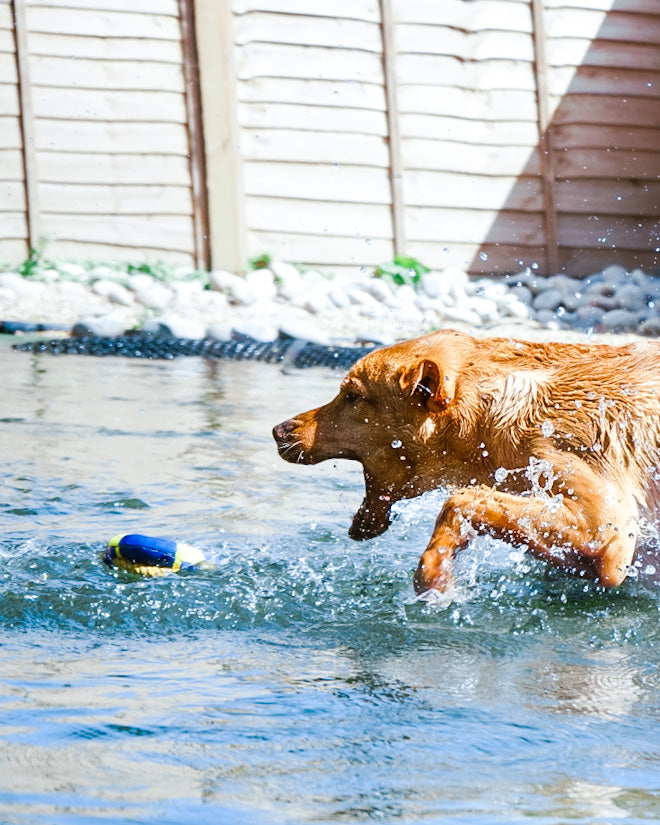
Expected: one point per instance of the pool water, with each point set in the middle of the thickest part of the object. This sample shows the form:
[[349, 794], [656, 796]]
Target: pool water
[[300, 681]]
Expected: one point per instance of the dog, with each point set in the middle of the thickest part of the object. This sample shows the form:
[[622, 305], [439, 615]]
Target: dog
[[551, 446]]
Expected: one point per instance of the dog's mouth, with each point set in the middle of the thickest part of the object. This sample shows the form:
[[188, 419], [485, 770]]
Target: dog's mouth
[[373, 517]]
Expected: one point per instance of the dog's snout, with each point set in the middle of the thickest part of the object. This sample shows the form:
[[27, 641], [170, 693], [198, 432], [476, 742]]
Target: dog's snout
[[281, 432]]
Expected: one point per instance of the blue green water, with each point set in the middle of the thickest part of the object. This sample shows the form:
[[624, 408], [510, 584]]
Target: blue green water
[[301, 681]]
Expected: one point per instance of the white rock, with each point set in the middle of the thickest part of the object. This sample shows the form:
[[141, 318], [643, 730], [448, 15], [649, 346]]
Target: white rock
[[435, 284], [262, 284], [257, 329], [107, 326], [405, 295], [113, 292], [154, 295], [305, 330], [72, 270], [223, 281], [614, 273], [630, 296], [220, 330], [548, 300], [179, 326], [618, 320], [339, 296], [485, 308], [287, 277], [462, 314], [102, 272], [379, 289]]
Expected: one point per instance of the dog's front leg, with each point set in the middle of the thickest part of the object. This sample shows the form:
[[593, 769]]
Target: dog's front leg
[[593, 536]]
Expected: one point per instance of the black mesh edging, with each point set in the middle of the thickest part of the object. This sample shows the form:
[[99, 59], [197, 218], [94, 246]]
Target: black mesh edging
[[290, 351]]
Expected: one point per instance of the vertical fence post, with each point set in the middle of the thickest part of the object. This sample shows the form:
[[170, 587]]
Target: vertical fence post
[[224, 179], [393, 127], [545, 137], [195, 135], [26, 116]]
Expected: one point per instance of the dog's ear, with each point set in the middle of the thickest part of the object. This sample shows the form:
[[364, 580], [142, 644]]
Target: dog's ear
[[427, 386]]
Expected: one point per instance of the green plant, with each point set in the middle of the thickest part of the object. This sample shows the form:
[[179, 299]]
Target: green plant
[[260, 262], [31, 265], [402, 270]]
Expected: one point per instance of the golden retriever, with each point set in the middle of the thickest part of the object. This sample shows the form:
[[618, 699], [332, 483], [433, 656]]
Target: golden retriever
[[552, 446]]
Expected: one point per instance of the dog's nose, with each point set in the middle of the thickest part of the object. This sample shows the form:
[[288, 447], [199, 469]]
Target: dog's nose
[[282, 431]]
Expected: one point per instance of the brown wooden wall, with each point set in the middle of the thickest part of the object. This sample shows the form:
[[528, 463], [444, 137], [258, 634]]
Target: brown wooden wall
[[95, 137], [486, 134]]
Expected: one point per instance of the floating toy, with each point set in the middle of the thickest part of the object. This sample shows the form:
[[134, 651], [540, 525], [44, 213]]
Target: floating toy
[[152, 556]]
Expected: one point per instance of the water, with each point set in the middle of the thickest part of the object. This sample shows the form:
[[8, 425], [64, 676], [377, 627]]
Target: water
[[301, 681]]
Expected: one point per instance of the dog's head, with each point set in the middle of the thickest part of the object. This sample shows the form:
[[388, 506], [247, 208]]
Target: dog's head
[[390, 407]]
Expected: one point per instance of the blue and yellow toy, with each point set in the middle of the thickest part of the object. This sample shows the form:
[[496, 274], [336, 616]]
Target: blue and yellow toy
[[152, 556]]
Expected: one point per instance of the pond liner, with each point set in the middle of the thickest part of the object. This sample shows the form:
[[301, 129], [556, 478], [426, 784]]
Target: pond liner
[[291, 352]]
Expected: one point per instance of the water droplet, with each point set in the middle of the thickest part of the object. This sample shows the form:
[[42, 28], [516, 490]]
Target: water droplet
[[483, 256], [501, 474], [547, 428], [368, 241], [396, 444]]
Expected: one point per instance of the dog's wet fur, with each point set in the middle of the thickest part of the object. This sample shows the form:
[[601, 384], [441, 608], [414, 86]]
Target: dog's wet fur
[[552, 446]]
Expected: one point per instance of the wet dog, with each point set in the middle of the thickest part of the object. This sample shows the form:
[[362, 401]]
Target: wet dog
[[551, 446]]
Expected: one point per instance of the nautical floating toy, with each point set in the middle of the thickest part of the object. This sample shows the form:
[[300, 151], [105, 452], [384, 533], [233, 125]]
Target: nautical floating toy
[[151, 555]]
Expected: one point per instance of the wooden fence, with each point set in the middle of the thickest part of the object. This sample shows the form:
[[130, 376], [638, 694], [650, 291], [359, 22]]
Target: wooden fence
[[487, 134]]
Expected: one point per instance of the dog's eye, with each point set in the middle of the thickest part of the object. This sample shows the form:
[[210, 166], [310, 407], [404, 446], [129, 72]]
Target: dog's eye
[[351, 397]]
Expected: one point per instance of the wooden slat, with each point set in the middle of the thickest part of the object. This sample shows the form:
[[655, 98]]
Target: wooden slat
[[80, 250], [167, 234], [93, 23], [482, 45], [272, 60], [618, 233], [452, 71], [98, 74], [9, 100], [321, 250], [610, 110], [577, 51], [289, 145], [453, 189], [330, 32], [471, 105], [8, 68], [631, 28], [312, 118], [100, 48], [600, 81], [586, 261], [157, 7], [82, 104], [14, 226], [349, 9], [483, 258], [321, 182], [473, 226], [112, 138], [644, 6], [602, 136], [468, 16], [318, 218], [613, 197], [467, 159], [493, 133], [13, 249], [576, 164], [117, 199], [144, 169], [12, 198], [313, 92], [10, 133]]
